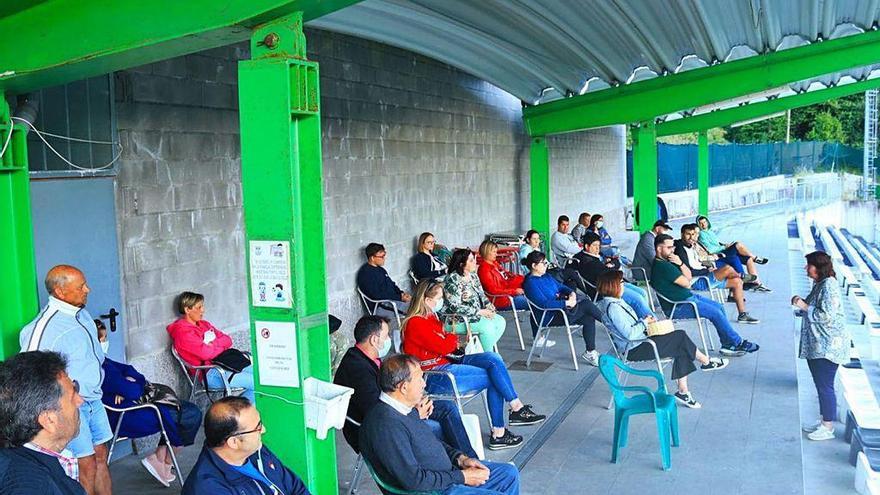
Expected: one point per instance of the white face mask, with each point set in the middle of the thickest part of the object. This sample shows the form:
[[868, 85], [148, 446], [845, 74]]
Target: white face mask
[[599, 224], [105, 346], [438, 306], [385, 349]]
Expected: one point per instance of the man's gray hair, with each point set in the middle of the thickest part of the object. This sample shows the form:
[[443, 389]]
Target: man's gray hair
[[59, 276], [396, 370], [28, 387]]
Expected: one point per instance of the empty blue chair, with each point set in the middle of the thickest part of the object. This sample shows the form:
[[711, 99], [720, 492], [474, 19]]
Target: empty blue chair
[[645, 401]]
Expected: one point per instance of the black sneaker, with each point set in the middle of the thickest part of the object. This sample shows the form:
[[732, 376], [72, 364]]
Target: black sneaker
[[506, 441], [762, 288], [761, 261], [525, 416], [747, 318], [715, 364], [731, 350], [687, 400], [747, 346], [750, 285]]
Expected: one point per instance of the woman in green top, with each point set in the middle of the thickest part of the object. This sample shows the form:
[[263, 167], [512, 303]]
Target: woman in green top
[[710, 241], [465, 297]]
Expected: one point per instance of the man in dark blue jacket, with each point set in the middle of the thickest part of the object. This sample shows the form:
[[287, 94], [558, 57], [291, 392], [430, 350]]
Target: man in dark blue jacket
[[234, 460], [39, 415]]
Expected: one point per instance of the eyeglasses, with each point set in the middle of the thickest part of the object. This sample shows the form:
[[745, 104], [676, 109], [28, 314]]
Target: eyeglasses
[[543, 262], [379, 255], [258, 428]]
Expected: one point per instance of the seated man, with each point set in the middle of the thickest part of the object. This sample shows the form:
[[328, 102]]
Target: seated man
[[562, 244], [373, 280], [671, 278], [403, 452], [644, 254], [734, 253], [234, 459], [39, 411], [720, 277], [577, 233], [590, 265], [359, 370]]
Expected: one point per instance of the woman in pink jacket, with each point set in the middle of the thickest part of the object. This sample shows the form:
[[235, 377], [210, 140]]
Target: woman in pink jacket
[[197, 342]]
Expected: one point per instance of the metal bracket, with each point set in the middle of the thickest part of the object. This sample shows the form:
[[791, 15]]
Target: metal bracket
[[282, 37]]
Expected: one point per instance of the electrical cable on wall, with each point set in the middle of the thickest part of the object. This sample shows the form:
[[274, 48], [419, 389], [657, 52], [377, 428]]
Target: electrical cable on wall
[[41, 135], [279, 398]]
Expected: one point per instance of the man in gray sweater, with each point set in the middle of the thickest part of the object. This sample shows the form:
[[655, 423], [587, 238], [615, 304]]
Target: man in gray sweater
[[644, 255], [405, 454]]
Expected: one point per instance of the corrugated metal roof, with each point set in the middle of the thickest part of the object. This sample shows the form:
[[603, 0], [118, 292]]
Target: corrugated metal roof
[[540, 50]]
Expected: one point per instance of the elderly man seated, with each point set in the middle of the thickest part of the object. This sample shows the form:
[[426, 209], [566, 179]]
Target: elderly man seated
[[403, 452], [234, 459]]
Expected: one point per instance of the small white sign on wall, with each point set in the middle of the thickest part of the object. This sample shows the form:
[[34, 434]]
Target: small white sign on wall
[[270, 274], [276, 352]]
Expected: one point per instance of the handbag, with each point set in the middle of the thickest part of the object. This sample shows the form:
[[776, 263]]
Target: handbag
[[473, 346], [232, 360], [456, 356], [660, 327], [158, 393]]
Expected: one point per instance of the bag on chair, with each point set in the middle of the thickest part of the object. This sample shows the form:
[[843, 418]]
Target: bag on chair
[[471, 424], [157, 393], [473, 346], [232, 360], [660, 327]]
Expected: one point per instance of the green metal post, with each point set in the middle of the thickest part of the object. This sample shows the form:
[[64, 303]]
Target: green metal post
[[703, 171], [282, 195], [645, 176], [539, 177], [19, 302]]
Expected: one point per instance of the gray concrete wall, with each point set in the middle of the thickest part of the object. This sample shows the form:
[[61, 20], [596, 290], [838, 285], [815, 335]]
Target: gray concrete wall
[[409, 144]]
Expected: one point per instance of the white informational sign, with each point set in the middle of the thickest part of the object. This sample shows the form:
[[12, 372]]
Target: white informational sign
[[276, 352], [270, 274]]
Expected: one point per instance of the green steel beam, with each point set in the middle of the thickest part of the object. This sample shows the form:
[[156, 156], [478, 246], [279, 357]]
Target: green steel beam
[[729, 116], [645, 176], [19, 303], [282, 196], [539, 180], [57, 41], [703, 171], [663, 95]]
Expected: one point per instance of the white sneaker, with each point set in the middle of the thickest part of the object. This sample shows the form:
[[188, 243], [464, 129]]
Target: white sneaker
[[591, 357], [153, 466], [541, 342], [822, 433], [810, 428]]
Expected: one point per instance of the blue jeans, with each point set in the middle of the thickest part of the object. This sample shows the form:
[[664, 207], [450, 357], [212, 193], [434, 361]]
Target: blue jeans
[[714, 312], [730, 257], [446, 424], [477, 372], [243, 379], [637, 298], [503, 480], [823, 372]]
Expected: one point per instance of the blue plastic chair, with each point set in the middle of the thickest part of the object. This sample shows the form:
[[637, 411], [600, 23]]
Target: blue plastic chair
[[388, 488], [645, 401]]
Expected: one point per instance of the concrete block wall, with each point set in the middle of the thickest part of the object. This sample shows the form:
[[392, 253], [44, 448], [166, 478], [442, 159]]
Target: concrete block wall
[[409, 144]]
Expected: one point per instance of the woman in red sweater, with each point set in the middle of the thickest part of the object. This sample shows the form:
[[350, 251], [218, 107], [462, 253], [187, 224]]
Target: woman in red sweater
[[497, 281], [424, 337]]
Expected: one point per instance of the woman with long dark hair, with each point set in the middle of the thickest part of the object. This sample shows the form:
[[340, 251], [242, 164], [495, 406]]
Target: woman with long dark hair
[[465, 297]]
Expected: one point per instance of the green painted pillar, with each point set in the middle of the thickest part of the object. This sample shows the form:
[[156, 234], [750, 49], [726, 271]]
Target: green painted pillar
[[19, 303], [539, 180], [282, 196], [703, 171], [645, 175]]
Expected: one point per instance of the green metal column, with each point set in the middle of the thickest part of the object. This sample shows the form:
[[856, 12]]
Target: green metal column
[[645, 175], [19, 302], [282, 195], [703, 171], [539, 177]]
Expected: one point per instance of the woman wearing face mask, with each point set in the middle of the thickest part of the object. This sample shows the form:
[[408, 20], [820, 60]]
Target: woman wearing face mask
[[597, 225], [124, 387], [424, 338]]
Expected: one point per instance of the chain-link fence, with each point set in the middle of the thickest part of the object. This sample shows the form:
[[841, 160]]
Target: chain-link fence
[[729, 163]]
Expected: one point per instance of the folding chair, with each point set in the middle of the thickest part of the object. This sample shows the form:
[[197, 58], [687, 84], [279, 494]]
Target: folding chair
[[660, 362], [412, 276], [358, 465], [460, 399], [371, 310], [715, 293], [545, 330], [675, 305], [639, 274], [196, 376], [116, 437], [493, 297]]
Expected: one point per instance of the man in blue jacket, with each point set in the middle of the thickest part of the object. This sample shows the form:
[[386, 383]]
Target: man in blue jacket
[[234, 460]]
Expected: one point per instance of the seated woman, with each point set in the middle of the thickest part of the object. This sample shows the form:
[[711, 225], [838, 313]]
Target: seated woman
[[424, 338], [124, 387], [543, 290], [498, 281], [465, 297], [626, 327], [197, 342], [424, 264], [597, 226], [532, 242]]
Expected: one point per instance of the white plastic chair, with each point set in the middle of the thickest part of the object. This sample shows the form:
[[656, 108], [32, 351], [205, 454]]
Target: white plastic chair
[[196, 376], [675, 305], [513, 309], [544, 330], [375, 305], [116, 438]]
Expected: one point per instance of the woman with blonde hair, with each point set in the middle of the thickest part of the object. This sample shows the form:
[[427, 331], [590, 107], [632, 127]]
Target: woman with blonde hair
[[424, 337]]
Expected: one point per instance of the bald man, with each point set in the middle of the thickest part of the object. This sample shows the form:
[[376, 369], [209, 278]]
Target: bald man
[[234, 460], [64, 326]]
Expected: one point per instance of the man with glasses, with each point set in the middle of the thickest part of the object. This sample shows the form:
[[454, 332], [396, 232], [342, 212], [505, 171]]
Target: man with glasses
[[39, 414], [234, 459], [373, 280], [66, 327]]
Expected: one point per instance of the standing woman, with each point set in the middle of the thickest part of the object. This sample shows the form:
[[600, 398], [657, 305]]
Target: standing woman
[[825, 340], [424, 264], [465, 297]]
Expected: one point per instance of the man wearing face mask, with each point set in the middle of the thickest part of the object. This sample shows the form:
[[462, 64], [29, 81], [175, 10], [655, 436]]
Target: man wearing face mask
[[359, 370]]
